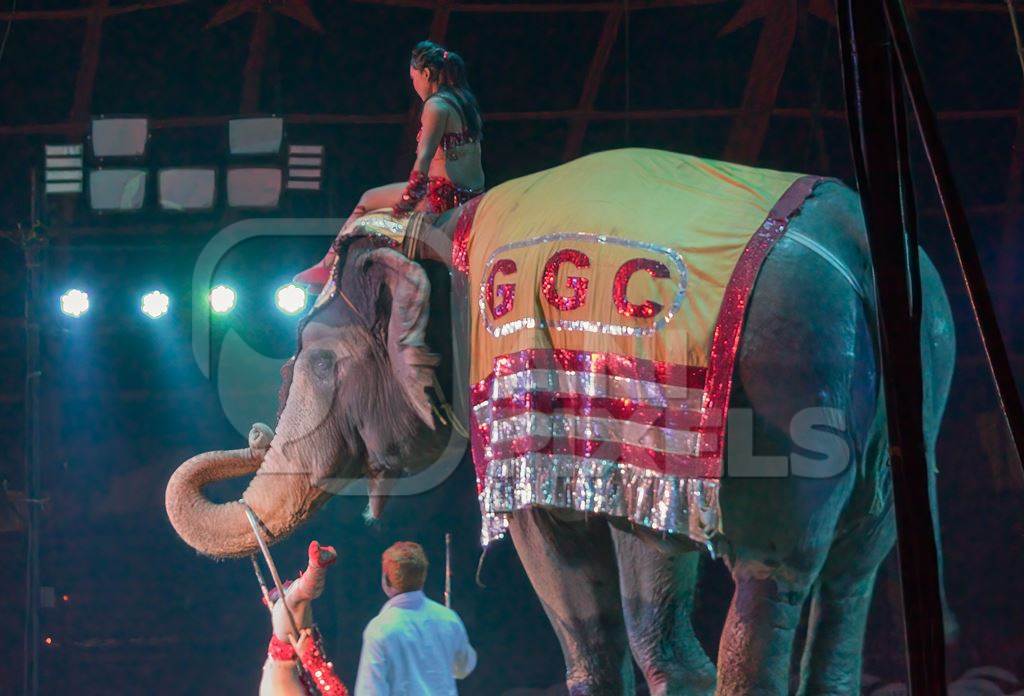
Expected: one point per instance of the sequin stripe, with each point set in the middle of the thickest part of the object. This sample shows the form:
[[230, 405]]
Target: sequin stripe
[[456, 138], [729, 326], [479, 435], [571, 426], [606, 363], [552, 403], [460, 238], [660, 502], [596, 384], [636, 455]]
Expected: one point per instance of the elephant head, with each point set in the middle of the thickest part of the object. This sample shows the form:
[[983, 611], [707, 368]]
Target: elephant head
[[354, 406]]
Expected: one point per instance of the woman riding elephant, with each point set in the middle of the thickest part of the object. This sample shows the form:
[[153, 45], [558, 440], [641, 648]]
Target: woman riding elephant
[[635, 303], [447, 171]]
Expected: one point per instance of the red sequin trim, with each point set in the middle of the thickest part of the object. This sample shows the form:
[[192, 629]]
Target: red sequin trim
[[578, 284], [414, 191], [603, 363], [280, 650], [320, 670], [648, 309], [643, 457], [507, 291], [443, 195], [460, 239], [729, 325], [680, 416]]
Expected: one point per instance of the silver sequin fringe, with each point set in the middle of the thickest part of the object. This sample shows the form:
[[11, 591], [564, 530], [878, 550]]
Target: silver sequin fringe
[[660, 502]]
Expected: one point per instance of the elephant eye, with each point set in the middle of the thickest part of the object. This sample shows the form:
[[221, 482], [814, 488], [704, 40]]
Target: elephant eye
[[322, 364]]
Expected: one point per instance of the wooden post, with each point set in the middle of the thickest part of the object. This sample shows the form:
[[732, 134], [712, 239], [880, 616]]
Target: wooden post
[[592, 84]]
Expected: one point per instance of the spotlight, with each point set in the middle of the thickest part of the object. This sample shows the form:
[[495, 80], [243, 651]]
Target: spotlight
[[119, 136], [155, 304], [187, 188], [255, 135], [254, 187], [74, 303], [112, 190], [290, 299], [222, 299]]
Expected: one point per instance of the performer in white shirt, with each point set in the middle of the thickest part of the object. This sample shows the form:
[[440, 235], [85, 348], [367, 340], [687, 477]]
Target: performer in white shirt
[[414, 646]]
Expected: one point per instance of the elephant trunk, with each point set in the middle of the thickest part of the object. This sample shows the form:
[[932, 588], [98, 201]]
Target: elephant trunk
[[280, 494], [214, 529]]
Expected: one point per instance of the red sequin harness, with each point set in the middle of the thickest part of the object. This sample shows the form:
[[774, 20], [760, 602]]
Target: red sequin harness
[[317, 674]]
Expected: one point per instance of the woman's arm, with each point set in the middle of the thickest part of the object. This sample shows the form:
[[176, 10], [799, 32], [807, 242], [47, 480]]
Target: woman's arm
[[433, 120]]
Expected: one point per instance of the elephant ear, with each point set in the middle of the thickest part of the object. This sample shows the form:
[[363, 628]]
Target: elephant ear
[[411, 360]]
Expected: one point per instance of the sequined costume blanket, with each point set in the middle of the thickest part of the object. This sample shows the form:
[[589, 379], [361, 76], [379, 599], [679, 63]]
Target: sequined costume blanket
[[607, 298]]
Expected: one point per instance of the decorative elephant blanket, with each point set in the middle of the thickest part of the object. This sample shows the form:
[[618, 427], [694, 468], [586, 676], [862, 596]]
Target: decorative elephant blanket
[[607, 297]]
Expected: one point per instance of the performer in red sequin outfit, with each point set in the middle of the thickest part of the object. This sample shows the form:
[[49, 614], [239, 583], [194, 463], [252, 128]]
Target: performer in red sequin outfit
[[447, 171], [281, 673]]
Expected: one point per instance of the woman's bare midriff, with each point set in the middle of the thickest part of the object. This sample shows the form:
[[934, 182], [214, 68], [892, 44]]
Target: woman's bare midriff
[[465, 172]]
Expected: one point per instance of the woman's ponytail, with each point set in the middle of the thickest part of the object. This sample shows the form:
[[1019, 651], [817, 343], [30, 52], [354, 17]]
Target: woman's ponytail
[[448, 70]]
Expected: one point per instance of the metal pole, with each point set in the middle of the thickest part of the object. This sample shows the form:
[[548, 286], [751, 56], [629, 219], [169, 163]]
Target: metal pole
[[448, 569], [32, 243], [878, 139], [959, 229]]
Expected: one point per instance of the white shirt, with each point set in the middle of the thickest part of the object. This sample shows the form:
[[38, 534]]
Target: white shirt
[[414, 647]]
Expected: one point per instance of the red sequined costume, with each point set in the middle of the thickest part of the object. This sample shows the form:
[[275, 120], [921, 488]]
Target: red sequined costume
[[282, 675], [440, 193]]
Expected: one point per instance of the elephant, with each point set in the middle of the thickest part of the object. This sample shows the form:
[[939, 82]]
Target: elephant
[[354, 405]]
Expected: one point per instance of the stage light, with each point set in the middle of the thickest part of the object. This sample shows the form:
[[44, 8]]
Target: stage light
[[254, 187], [222, 299], [255, 136], [117, 190], [74, 302], [187, 188], [155, 304], [119, 137], [290, 299]]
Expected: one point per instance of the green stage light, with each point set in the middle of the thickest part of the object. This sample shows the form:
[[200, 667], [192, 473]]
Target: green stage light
[[222, 299], [74, 302], [290, 299], [155, 304]]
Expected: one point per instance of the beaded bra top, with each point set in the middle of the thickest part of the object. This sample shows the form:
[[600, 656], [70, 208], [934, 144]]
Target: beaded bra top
[[452, 141]]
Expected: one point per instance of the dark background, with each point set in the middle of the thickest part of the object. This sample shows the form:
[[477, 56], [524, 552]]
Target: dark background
[[124, 401]]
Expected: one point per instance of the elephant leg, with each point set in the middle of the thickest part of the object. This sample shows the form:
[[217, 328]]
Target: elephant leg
[[757, 640], [570, 561], [831, 662], [835, 637], [658, 582]]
